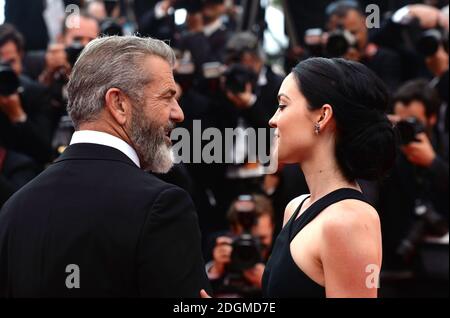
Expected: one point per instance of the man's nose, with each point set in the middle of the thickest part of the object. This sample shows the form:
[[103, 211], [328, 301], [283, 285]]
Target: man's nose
[[177, 114]]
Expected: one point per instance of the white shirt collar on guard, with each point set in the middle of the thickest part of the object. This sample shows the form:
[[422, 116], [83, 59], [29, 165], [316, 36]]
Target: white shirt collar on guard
[[101, 138]]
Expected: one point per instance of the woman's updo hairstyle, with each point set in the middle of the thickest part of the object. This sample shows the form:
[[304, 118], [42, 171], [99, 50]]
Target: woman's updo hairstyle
[[366, 141]]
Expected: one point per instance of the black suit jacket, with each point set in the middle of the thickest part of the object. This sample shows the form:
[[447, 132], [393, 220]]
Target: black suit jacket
[[16, 170], [129, 233]]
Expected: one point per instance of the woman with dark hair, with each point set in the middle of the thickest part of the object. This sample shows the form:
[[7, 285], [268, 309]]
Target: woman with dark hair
[[331, 120]]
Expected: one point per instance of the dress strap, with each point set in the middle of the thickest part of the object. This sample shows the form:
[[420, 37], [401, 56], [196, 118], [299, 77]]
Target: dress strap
[[317, 207]]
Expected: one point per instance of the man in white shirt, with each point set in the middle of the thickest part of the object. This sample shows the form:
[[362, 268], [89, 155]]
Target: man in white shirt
[[96, 213]]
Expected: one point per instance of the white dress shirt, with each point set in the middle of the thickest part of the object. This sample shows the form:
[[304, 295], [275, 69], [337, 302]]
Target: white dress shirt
[[101, 138]]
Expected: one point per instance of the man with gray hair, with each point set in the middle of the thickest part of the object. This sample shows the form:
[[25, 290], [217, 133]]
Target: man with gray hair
[[95, 224]]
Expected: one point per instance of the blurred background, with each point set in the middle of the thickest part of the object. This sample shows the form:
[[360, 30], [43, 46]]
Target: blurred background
[[232, 56]]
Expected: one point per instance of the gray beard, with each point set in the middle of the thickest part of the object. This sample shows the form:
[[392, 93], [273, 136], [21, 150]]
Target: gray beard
[[150, 143]]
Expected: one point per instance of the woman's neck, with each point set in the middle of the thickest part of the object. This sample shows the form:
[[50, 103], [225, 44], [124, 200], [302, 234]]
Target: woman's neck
[[324, 176]]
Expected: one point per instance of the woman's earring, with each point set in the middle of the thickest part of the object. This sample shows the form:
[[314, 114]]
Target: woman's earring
[[317, 128]]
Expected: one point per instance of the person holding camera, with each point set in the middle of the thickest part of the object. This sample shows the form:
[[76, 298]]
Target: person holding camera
[[238, 258], [53, 67], [417, 190], [347, 24], [155, 18], [24, 104], [251, 85], [78, 31], [207, 35]]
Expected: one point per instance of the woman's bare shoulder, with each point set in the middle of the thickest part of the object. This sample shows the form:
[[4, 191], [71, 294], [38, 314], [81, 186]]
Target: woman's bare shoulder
[[351, 218], [292, 207]]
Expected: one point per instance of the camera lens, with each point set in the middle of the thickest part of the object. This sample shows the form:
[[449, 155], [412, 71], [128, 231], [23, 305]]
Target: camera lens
[[9, 82]]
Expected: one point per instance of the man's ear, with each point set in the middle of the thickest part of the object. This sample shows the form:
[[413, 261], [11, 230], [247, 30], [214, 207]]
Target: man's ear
[[118, 105], [324, 116]]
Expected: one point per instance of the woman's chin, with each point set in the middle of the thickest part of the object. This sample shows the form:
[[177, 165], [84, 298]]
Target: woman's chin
[[285, 158]]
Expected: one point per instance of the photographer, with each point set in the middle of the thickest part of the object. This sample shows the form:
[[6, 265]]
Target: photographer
[[251, 85], [78, 31], [415, 32], [207, 38], [24, 121], [239, 256], [349, 38], [414, 200], [155, 18], [53, 67]]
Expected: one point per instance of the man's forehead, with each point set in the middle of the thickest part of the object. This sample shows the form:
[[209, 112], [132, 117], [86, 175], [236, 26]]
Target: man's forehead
[[159, 69]]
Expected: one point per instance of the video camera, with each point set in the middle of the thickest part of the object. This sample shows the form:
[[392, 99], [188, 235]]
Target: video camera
[[429, 222]]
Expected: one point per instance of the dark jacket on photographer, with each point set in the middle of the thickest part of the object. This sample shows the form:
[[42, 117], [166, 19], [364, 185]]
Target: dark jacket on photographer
[[402, 39], [398, 195], [153, 23], [386, 63], [31, 137], [206, 47], [34, 65]]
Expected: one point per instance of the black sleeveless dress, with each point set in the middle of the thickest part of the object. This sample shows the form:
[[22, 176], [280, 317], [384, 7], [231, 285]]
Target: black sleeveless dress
[[282, 277]]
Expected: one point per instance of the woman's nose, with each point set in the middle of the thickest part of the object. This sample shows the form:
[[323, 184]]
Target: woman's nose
[[273, 120]]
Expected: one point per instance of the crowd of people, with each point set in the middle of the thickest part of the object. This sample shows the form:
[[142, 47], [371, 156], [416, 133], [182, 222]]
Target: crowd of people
[[226, 80]]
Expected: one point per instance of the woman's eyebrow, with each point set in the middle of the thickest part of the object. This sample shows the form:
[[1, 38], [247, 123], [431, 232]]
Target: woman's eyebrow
[[283, 95]]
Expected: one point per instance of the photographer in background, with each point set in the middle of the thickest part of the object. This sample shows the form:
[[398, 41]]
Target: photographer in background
[[239, 256], [251, 85], [53, 67], [414, 200], [24, 104], [349, 38], [207, 38], [78, 31]]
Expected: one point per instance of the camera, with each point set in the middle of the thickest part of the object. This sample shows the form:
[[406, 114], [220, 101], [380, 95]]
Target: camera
[[9, 81], [111, 27], [429, 222], [430, 40], [236, 78], [246, 248], [340, 42], [409, 129], [333, 44], [73, 52]]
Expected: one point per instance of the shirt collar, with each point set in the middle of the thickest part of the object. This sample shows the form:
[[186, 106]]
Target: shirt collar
[[101, 138]]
